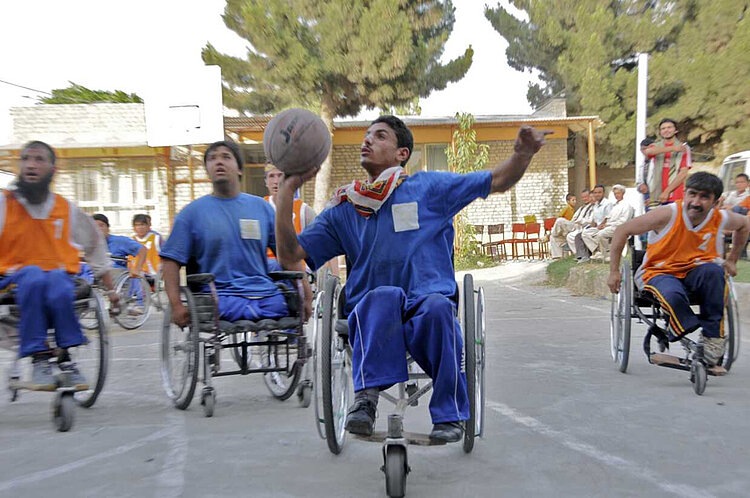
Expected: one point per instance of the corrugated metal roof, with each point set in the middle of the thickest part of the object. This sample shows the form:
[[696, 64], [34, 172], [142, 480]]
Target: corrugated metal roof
[[80, 125]]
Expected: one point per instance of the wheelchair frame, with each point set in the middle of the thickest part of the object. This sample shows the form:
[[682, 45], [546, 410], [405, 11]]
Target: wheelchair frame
[[629, 303], [66, 396], [207, 336], [332, 357]]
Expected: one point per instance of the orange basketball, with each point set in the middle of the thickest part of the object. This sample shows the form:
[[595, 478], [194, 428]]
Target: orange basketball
[[296, 141]]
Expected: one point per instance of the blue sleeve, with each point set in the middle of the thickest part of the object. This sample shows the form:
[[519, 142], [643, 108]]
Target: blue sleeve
[[458, 191], [179, 245], [132, 247], [320, 240], [271, 228]]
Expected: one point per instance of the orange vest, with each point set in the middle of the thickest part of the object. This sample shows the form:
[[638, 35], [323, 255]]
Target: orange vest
[[296, 218], [679, 248], [45, 243], [151, 242]]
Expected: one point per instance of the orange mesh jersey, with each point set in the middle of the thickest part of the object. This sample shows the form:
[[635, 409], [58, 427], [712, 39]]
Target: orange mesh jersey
[[296, 217], [679, 247], [46, 243], [152, 243]]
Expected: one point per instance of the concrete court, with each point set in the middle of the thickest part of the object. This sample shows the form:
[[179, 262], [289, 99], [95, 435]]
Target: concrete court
[[561, 421]]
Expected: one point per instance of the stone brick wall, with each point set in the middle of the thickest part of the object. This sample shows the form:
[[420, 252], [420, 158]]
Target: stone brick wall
[[540, 192]]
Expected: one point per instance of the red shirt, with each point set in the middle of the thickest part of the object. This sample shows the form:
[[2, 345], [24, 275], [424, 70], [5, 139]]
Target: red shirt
[[679, 193]]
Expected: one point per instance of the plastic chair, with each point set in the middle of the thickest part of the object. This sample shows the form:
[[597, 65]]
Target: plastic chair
[[544, 242], [518, 238], [531, 235]]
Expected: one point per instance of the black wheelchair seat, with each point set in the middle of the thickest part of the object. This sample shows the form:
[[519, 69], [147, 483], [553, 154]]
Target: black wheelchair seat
[[262, 325]]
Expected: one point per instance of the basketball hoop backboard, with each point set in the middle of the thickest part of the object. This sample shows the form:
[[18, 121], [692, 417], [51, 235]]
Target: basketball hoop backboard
[[185, 111]]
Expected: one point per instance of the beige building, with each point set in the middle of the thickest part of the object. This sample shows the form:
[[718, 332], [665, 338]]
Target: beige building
[[106, 166]]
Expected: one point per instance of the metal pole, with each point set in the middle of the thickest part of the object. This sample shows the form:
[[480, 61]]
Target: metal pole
[[592, 155], [640, 118]]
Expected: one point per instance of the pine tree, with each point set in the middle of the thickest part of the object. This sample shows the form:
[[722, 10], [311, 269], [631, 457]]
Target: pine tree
[[698, 70], [336, 57], [79, 94]]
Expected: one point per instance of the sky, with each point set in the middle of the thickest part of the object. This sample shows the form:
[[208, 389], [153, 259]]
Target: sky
[[107, 45]]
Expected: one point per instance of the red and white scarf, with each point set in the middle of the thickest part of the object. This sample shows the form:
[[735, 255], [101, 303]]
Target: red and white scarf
[[368, 197]]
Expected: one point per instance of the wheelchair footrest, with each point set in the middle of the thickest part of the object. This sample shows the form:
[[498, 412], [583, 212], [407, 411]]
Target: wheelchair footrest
[[716, 371], [668, 360], [411, 437]]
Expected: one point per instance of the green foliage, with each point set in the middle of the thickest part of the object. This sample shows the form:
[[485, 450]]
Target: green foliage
[[341, 55], [464, 156], [743, 271], [79, 94], [698, 70], [411, 109], [558, 271]]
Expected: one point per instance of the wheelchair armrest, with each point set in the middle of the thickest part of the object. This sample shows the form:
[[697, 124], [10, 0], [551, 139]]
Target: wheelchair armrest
[[200, 278], [286, 275]]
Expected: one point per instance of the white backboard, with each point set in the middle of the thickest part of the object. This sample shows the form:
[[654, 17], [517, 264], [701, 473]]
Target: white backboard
[[185, 109]]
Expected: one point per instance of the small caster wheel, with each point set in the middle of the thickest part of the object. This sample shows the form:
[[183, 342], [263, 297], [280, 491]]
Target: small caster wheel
[[304, 394], [63, 411], [698, 377], [208, 400], [395, 469]]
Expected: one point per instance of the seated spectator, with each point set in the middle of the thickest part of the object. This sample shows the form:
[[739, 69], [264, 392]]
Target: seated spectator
[[599, 213], [569, 210], [562, 226], [733, 201], [598, 241]]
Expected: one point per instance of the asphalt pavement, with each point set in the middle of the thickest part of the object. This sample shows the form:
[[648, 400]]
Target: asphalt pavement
[[560, 421]]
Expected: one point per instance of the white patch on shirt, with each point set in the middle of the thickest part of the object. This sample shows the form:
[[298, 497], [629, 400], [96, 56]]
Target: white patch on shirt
[[405, 216], [250, 229]]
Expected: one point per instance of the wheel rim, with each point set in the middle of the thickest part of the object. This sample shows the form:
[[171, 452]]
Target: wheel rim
[[340, 385], [479, 371], [131, 303], [91, 357], [177, 355]]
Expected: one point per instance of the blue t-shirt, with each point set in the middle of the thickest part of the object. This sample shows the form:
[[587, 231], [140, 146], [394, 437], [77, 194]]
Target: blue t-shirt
[[408, 243], [122, 247], [228, 238]]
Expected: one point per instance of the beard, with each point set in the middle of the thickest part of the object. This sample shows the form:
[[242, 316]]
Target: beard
[[34, 192]]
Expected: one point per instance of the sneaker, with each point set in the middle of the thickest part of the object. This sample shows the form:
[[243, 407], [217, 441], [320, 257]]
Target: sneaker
[[75, 377], [584, 260], [361, 417], [136, 310], [41, 376], [447, 432], [713, 350]]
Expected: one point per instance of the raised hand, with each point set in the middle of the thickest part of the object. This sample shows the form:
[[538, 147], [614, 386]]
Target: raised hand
[[530, 140]]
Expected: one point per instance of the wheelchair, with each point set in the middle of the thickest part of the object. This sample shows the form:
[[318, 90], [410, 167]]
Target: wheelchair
[[642, 305], [135, 297], [280, 345], [92, 357], [333, 389]]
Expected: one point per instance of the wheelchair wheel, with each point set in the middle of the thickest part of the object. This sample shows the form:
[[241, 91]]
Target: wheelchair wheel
[[63, 411], [281, 384], [180, 354], [92, 357], [317, 381], [732, 329], [135, 301], [698, 377], [481, 341], [620, 319], [335, 367], [395, 469], [470, 361]]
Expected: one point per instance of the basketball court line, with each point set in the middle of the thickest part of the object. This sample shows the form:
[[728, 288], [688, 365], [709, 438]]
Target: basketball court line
[[621, 464]]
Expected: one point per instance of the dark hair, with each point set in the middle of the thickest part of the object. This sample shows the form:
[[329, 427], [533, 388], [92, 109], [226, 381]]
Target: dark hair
[[41, 145], [102, 218], [646, 142], [705, 182], [142, 218], [229, 144], [599, 185], [567, 197], [742, 175], [404, 138], [667, 120]]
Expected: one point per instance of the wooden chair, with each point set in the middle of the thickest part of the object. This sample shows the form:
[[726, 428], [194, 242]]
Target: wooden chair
[[531, 235], [544, 243], [518, 238], [497, 246]]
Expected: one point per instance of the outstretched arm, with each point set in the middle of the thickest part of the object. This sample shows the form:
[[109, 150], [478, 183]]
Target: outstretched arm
[[528, 142], [740, 227], [656, 219]]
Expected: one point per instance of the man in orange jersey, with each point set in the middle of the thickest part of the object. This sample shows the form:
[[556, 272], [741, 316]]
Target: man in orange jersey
[[41, 236], [684, 258], [149, 239]]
